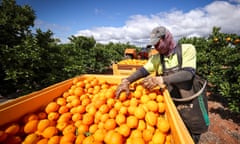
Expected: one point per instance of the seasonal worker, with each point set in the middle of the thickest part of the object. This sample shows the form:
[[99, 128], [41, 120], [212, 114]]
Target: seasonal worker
[[175, 67]]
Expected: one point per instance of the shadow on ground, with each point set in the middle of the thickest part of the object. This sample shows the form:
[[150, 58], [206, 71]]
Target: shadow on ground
[[222, 110]]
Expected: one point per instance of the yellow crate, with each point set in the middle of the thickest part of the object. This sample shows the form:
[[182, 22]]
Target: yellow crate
[[123, 69], [11, 111]]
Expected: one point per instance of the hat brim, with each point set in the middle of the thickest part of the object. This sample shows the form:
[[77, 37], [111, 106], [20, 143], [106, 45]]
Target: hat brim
[[154, 41]]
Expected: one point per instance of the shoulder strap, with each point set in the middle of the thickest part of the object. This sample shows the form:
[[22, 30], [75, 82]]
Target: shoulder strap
[[179, 57], [179, 54]]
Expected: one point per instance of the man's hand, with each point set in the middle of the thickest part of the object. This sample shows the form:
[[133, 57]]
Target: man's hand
[[124, 86], [151, 82]]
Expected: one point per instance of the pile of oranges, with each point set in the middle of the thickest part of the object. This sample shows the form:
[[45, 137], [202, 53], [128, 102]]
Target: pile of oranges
[[89, 113]]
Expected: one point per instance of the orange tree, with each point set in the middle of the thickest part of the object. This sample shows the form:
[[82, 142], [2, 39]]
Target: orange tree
[[218, 61]]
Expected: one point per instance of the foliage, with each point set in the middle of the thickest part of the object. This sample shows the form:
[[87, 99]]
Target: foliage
[[15, 22]]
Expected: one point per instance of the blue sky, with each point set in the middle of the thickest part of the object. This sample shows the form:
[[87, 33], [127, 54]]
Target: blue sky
[[132, 20]]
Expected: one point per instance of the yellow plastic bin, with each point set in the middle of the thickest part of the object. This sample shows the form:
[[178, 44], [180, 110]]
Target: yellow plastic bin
[[123, 69], [12, 110]]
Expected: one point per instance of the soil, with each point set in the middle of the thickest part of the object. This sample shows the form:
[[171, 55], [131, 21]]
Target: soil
[[224, 125]]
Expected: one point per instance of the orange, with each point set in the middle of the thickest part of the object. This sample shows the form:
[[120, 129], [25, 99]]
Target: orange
[[163, 125], [31, 126], [88, 119], [101, 125], [120, 119], [139, 112], [54, 140], [110, 93], [144, 99], [123, 96], [79, 138], [53, 116], [141, 125], [104, 117], [69, 129], [123, 110], [139, 88], [110, 124], [78, 109], [126, 103], [75, 80], [88, 140], [158, 137], [67, 138], [113, 113], [132, 121], [61, 101], [42, 124], [50, 132], [42, 115], [152, 106], [95, 82], [138, 140], [104, 109], [43, 141], [61, 125], [147, 135], [76, 117], [160, 98], [80, 84], [124, 130], [116, 138], [12, 129], [136, 133], [133, 102], [65, 117], [65, 94], [93, 128], [99, 103], [75, 102], [99, 135], [29, 117], [70, 98], [97, 117], [118, 105], [63, 109], [108, 136], [82, 128], [161, 107], [105, 86], [137, 94], [151, 118], [51, 107], [78, 91], [87, 86], [151, 128], [86, 101], [92, 110], [31, 138], [131, 110], [152, 95]]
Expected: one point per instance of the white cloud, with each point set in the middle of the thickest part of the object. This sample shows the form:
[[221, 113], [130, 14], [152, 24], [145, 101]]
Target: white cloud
[[197, 22]]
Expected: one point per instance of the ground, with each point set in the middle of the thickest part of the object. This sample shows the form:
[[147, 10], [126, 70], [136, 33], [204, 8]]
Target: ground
[[224, 125]]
